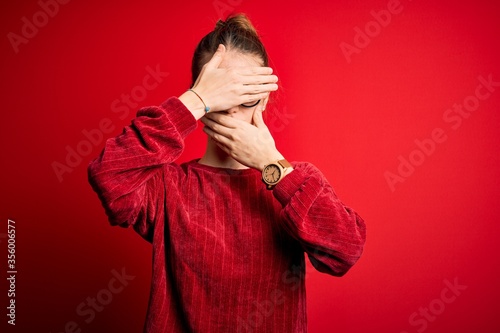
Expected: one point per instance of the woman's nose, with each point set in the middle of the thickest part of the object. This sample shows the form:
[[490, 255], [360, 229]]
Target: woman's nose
[[234, 109]]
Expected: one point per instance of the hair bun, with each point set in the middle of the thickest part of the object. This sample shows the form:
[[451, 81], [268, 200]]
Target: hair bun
[[219, 25], [237, 22]]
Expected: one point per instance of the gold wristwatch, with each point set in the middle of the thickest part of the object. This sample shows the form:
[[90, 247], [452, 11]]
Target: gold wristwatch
[[273, 173]]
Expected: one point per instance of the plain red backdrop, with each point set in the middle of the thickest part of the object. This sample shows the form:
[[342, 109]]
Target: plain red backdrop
[[353, 117]]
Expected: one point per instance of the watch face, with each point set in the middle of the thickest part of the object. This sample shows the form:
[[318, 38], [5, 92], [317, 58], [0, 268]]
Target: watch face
[[271, 174]]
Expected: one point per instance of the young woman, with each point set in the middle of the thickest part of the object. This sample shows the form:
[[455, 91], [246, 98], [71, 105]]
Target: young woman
[[229, 230]]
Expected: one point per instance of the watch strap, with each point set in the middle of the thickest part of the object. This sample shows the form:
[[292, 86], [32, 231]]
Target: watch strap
[[284, 163]]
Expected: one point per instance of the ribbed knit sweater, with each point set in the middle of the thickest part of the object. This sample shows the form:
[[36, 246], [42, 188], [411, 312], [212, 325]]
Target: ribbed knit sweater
[[228, 254]]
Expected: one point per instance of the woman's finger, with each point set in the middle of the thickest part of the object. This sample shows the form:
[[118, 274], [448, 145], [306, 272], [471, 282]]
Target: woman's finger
[[216, 127], [255, 70], [219, 138], [216, 59], [257, 119], [253, 89], [250, 98], [222, 119], [259, 79]]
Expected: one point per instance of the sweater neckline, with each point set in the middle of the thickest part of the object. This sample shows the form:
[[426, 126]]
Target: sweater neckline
[[224, 171]]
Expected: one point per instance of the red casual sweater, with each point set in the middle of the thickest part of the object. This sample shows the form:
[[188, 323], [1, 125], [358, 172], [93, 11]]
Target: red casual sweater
[[228, 254]]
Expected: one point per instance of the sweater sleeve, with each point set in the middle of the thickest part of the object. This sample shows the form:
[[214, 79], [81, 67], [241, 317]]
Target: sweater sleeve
[[332, 235], [130, 170]]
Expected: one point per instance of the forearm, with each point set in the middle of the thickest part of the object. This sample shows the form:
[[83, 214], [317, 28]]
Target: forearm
[[332, 234], [155, 137]]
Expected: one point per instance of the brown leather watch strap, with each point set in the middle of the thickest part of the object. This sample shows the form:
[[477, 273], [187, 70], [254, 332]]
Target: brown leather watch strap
[[284, 163]]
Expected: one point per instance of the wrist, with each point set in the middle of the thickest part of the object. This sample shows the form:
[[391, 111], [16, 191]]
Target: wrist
[[193, 104], [271, 159]]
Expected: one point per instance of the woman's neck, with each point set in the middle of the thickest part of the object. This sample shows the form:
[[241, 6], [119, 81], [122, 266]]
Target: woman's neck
[[216, 157]]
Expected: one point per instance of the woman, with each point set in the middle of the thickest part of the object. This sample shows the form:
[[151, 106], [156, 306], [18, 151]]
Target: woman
[[229, 230]]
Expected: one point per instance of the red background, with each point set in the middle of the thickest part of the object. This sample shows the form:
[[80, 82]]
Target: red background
[[352, 120]]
